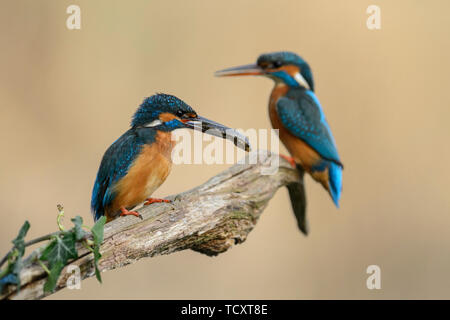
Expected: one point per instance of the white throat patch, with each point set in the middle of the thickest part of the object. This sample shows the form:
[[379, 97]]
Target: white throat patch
[[301, 81]]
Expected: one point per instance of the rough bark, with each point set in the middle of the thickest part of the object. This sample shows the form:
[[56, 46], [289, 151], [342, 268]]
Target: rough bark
[[209, 219]]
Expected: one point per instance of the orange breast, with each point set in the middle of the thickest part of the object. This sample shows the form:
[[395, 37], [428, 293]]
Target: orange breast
[[299, 150], [146, 174]]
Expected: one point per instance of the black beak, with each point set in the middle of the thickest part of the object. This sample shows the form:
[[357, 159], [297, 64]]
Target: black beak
[[219, 130]]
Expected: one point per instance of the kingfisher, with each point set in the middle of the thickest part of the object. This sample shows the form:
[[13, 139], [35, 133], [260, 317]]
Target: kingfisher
[[296, 112], [137, 163]]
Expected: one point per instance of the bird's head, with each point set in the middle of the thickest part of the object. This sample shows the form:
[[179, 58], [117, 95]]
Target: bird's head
[[165, 112], [284, 66]]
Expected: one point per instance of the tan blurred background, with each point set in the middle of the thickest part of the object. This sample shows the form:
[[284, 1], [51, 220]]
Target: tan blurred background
[[66, 95]]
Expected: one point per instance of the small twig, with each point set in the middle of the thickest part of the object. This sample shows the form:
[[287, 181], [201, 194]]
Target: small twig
[[60, 216]]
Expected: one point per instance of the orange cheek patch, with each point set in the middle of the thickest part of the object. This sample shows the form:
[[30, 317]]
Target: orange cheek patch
[[166, 116], [291, 70]]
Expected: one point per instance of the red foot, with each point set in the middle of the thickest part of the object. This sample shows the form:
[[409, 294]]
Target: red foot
[[155, 200], [125, 212], [290, 160]]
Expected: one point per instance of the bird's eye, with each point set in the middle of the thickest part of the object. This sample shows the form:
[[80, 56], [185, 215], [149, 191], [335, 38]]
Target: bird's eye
[[277, 64], [180, 113]]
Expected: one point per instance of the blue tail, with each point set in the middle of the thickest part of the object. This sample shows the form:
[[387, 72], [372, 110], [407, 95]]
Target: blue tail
[[335, 177]]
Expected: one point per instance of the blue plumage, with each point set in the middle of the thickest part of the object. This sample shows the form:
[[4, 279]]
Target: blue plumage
[[335, 176], [114, 166], [153, 106], [300, 112]]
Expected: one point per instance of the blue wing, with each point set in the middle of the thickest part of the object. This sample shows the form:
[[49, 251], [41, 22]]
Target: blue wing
[[115, 163], [300, 112]]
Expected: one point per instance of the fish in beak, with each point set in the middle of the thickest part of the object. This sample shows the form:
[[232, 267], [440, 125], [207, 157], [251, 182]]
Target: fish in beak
[[219, 130]]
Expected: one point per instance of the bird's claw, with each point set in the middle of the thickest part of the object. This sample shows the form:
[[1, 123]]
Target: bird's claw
[[290, 160], [125, 212], [155, 200]]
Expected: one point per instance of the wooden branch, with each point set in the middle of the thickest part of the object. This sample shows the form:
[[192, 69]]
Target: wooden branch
[[209, 219]]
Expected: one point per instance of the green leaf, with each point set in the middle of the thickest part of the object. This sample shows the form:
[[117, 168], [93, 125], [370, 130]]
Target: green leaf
[[15, 259], [60, 249], [97, 230], [78, 228], [97, 233], [19, 241], [55, 271], [97, 257], [17, 266], [57, 253]]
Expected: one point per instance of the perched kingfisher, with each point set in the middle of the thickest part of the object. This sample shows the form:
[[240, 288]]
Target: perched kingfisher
[[296, 112], [137, 163]]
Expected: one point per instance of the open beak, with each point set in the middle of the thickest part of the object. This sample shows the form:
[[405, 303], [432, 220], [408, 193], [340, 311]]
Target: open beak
[[247, 70], [216, 129]]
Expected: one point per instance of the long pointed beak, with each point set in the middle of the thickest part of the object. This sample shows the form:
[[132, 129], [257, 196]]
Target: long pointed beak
[[247, 70], [219, 130]]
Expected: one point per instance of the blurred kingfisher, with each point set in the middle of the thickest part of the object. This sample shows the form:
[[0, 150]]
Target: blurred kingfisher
[[137, 163], [296, 112]]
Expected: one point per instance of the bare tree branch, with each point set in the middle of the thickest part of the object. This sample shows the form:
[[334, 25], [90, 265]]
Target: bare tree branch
[[209, 219]]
